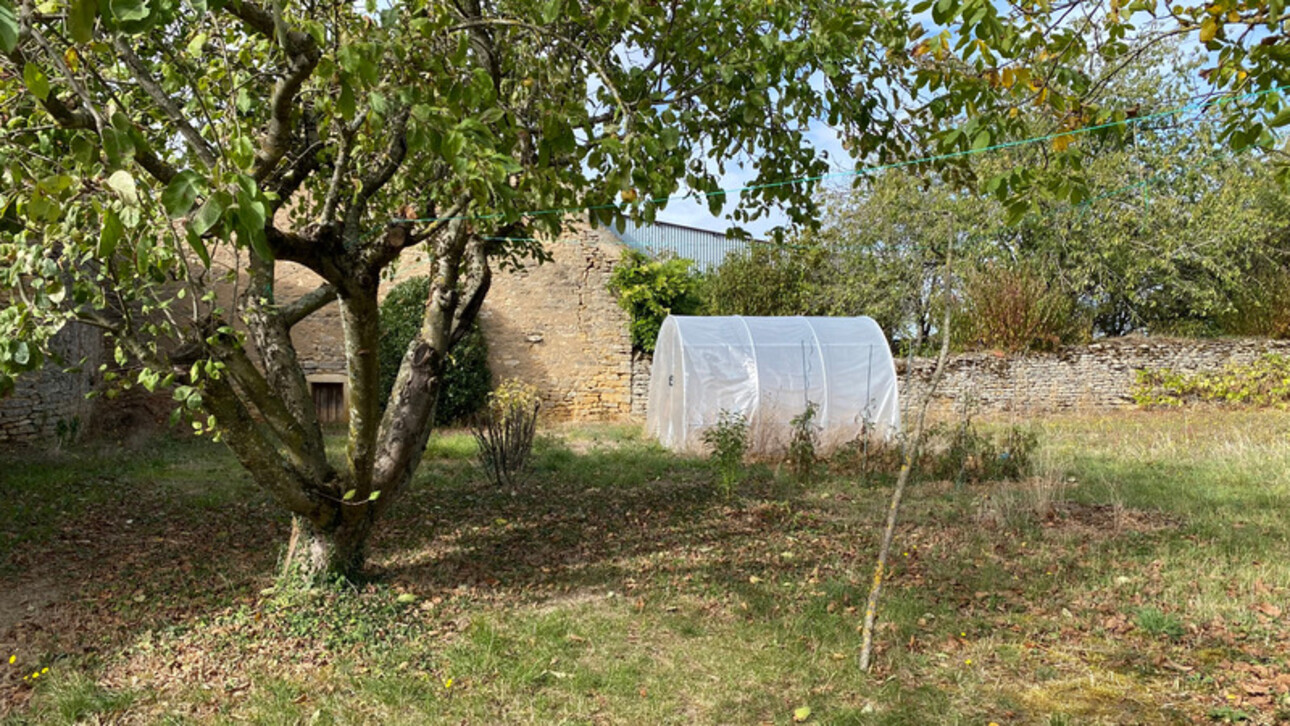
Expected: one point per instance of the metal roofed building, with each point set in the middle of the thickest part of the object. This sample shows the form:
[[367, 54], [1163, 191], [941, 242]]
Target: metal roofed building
[[708, 249]]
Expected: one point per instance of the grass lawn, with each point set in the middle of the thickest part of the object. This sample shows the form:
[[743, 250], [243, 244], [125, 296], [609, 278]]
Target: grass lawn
[[1142, 576]]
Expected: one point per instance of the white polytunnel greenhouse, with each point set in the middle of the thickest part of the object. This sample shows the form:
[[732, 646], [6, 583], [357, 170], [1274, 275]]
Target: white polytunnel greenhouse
[[768, 369]]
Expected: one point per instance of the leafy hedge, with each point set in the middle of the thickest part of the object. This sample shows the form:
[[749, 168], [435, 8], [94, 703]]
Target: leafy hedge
[[650, 290], [1262, 382], [467, 379]]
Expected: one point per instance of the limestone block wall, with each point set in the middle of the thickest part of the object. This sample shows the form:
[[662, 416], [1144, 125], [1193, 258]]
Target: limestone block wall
[[43, 399], [1086, 378], [642, 364], [557, 326]]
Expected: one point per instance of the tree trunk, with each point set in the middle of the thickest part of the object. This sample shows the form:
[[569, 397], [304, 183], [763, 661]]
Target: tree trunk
[[317, 555]]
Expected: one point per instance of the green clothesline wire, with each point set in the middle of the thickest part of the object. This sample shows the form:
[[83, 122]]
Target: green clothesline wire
[[1196, 105]]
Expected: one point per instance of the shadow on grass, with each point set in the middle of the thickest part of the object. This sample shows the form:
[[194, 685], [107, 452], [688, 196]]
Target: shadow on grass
[[576, 523]]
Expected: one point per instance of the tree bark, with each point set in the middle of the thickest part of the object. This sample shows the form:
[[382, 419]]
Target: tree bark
[[317, 555]]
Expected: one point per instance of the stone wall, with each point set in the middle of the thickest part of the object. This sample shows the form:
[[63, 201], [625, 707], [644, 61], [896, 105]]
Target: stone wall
[[1086, 378], [557, 326], [642, 363], [49, 405]]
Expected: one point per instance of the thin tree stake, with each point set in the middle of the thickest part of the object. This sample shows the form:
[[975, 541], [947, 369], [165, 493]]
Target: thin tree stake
[[912, 447]]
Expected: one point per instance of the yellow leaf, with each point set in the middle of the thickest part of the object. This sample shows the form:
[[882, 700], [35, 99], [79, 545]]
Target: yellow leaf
[[801, 714], [1008, 78], [1208, 29]]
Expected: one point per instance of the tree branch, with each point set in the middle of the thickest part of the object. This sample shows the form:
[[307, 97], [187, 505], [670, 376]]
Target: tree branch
[[481, 278], [342, 165], [303, 55], [167, 104], [381, 175], [912, 446], [242, 433], [310, 303]]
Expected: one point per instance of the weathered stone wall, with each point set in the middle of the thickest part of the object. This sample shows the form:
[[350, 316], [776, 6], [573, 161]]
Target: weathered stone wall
[[558, 327], [1086, 378], [642, 364], [44, 399]]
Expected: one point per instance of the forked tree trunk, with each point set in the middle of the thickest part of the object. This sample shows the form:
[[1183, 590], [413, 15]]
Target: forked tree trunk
[[318, 555]]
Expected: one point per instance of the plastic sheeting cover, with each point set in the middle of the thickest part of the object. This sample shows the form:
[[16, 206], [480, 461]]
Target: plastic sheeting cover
[[767, 369]]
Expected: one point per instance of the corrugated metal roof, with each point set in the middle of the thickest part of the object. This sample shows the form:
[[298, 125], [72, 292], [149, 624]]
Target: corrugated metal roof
[[706, 248]]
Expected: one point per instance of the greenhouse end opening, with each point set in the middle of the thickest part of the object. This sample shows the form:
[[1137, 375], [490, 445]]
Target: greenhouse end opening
[[768, 369]]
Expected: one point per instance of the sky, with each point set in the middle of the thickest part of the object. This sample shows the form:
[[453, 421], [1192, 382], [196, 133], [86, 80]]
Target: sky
[[695, 213]]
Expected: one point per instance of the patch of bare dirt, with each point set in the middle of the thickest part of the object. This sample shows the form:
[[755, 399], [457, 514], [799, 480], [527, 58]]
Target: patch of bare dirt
[[1109, 518]]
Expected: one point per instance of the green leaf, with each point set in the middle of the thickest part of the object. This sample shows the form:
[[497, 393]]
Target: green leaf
[[123, 184], [21, 353], [210, 213], [242, 152], [346, 103], [195, 241], [349, 495], [801, 714], [128, 10], [118, 146], [405, 598], [1281, 119], [181, 193], [196, 45], [80, 20], [375, 495], [55, 291], [8, 27], [981, 140], [36, 81], [110, 234], [551, 11]]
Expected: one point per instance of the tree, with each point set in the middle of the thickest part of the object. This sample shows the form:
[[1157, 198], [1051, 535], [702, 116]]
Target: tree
[[1020, 62], [154, 148], [466, 380]]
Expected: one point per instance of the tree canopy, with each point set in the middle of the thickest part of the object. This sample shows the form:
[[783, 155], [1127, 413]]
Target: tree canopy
[[154, 150], [158, 154]]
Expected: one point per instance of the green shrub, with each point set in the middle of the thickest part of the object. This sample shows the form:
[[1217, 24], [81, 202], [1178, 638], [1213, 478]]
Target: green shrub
[[467, 379], [505, 432], [650, 290], [765, 279], [728, 440], [1263, 382]]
